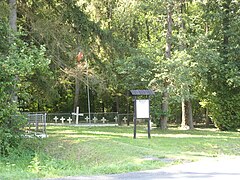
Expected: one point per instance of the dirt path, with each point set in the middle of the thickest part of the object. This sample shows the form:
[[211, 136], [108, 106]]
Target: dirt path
[[225, 168]]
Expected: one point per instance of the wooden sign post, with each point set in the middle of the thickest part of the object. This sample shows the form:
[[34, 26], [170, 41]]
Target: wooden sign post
[[141, 108]]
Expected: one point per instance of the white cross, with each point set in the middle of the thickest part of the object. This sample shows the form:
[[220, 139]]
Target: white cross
[[116, 119], [95, 119], [55, 119], [103, 120], [62, 119], [77, 114], [86, 118], [125, 119], [69, 120]]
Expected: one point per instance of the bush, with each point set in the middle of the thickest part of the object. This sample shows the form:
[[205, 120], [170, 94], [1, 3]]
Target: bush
[[18, 62], [225, 112], [10, 130]]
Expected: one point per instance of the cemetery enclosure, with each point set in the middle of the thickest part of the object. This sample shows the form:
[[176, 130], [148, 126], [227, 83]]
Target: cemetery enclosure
[[70, 118], [39, 118], [36, 123]]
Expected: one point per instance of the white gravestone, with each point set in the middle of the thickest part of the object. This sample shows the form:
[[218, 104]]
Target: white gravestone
[[55, 119], [87, 119], [103, 120], [116, 119], [69, 120], [95, 120], [62, 119], [77, 114], [125, 120]]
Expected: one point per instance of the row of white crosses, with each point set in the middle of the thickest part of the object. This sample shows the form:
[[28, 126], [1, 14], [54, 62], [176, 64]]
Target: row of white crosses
[[77, 114], [86, 118], [62, 119]]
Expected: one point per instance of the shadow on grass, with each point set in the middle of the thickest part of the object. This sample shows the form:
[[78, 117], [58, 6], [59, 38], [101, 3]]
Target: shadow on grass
[[114, 132]]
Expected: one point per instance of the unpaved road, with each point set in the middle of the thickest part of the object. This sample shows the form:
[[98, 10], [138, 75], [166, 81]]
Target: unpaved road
[[225, 168]]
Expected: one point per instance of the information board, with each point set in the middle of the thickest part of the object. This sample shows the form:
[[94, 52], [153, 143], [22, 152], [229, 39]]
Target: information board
[[142, 109]]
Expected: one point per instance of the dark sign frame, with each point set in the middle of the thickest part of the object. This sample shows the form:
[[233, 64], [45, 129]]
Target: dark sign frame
[[136, 93]]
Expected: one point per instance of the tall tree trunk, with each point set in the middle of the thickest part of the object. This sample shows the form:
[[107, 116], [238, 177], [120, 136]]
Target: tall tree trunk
[[169, 32], [77, 88], [184, 117], [226, 23], [13, 15], [187, 118], [164, 118], [109, 13], [147, 30], [128, 108], [103, 107], [13, 26], [165, 94], [207, 120], [76, 95], [189, 114], [117, 103]]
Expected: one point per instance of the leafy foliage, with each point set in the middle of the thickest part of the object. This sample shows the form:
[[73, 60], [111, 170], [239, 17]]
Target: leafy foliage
[[225, 112], [124, 42], [18, 62]]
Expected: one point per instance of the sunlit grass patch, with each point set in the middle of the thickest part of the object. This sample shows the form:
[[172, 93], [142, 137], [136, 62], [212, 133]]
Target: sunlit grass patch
[[76, 150]]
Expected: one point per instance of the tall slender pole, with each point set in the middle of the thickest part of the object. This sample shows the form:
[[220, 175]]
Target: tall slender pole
[[149, 119], [135, 118], [88, 94]]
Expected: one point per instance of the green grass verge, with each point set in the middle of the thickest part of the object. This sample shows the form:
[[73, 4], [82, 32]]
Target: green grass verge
[[70, 151]]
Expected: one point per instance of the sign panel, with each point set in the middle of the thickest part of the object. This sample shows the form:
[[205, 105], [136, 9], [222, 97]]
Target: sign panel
[[142, 108]]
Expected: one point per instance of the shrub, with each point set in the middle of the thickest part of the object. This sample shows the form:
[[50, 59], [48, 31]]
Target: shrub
[[225, 112], [10, 129], [18, 61]]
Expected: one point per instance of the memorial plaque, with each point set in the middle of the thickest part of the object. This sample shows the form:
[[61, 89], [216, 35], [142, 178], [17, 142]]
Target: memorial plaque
[[142, 109]]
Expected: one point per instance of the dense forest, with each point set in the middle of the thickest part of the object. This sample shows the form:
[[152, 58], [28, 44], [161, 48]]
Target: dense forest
[[187, 51]]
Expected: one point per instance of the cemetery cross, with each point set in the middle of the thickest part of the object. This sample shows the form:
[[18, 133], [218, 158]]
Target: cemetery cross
[[77, 114], [95, 119], [103, 120], [116, 119], [125, 120], [69, 120], [62, 119], [55, 119]]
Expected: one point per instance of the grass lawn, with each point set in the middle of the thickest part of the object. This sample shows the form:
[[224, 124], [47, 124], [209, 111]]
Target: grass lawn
[[72, 151]]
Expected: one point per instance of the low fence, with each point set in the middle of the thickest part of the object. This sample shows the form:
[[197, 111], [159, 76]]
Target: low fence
[[36, 123], [96, 118], [39, 120]]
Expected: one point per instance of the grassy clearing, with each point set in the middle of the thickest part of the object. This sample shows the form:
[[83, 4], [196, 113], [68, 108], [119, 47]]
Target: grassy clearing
[[103, 150]]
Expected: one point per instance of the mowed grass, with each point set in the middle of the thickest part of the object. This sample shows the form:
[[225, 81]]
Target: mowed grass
[[73, 151]]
